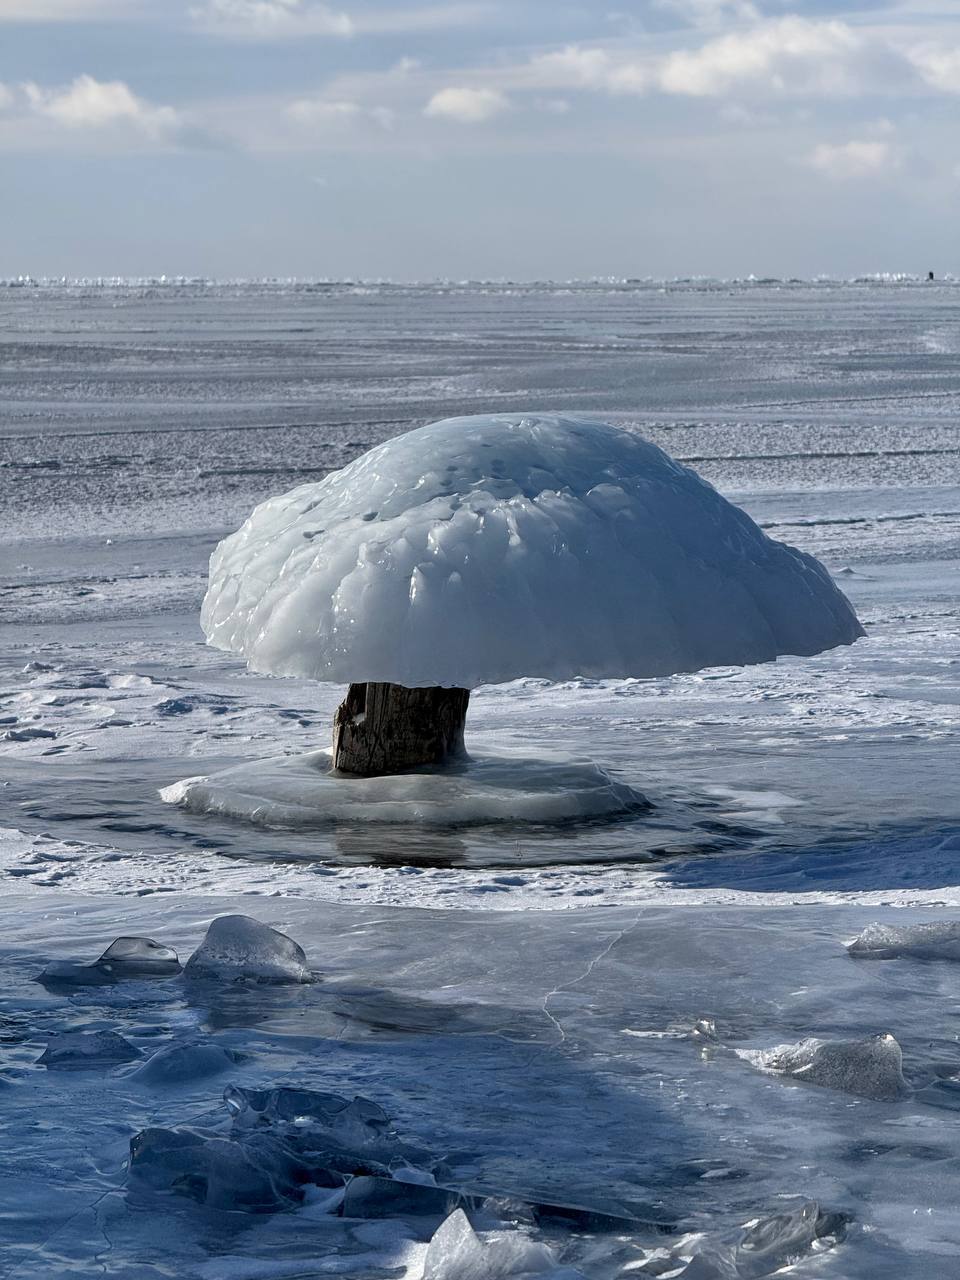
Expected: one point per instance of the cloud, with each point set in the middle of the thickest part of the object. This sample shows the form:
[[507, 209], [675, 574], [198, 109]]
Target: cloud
[[784, 57], [97, 104], [272, 19], [939, 67], [863, 158], [266, 20], [319, 111], [711, 13], [469, 106], [579, 67], [790, 55], [325, 114], [65, 10]]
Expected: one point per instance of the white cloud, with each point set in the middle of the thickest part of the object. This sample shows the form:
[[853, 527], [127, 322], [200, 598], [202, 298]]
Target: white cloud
[[319, 111], [790, 55], [711, 13], [327, 115], [65, 10], [294, 19], [862, 158], [94, 104], [271, 19], [784, 57], [938, 66], [469, 106]]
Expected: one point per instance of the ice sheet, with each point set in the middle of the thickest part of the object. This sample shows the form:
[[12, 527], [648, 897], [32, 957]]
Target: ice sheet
[[504, 1046], [301, 791]]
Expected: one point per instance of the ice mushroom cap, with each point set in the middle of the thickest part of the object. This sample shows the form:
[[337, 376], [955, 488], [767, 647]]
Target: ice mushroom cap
[[476, 550]]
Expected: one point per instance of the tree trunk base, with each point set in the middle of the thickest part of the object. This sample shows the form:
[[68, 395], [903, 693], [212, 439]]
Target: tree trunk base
[[386, 728]]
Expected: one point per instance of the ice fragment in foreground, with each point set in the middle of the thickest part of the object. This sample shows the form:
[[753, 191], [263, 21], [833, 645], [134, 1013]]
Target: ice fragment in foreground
[[134, 957], [456, 1252], [368, 1197], [184, 1062], [256, 1176], [238, 948], [769, 1245], [351, 1137], [935, 940], [871, 1068], [82, 1049], [125, 958]]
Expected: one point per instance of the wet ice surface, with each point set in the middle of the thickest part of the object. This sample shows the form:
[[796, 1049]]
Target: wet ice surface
[[543, 1059], [554, 1011]]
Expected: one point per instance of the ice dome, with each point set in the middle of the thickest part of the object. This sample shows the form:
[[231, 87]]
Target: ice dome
[[479, 549]]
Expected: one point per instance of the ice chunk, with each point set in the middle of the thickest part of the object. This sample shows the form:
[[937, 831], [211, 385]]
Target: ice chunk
[[769, 1244], [299, 791], [134, 957], [238, 948], [125, 958], [256, 1176], [298, 1106], [457, 1253], [935, 940], [69, 973], [370, 1197], [476, 550], [183, 1062], [352, 1137], [871, 1068], [85, 1049]]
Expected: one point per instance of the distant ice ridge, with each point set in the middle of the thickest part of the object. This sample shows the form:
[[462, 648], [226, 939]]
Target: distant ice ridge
[[478, 549]]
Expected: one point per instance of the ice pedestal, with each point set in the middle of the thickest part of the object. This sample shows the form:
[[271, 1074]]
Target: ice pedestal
[[301, 791]]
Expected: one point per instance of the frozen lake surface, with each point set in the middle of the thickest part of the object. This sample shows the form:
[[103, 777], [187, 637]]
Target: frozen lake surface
[[519, 997]]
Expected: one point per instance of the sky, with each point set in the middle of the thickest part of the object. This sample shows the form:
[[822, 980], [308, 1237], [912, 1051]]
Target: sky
[[517, 139]]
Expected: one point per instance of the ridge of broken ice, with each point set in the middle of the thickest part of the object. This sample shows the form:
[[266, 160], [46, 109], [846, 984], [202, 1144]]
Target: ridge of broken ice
[[239, 948], [475, 550]]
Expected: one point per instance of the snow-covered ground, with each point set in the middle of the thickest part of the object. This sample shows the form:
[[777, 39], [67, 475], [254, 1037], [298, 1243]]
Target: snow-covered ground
[[482, 981]]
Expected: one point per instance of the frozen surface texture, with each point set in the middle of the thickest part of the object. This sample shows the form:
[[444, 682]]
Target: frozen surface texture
[[238, 948], [476, 550], [871, 1068], [300, 791], [936, 940]]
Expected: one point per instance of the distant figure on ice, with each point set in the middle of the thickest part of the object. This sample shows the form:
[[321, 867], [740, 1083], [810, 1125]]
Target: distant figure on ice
[[929, 275]]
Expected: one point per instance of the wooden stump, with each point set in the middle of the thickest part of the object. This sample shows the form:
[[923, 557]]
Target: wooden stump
[[386, 728]]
